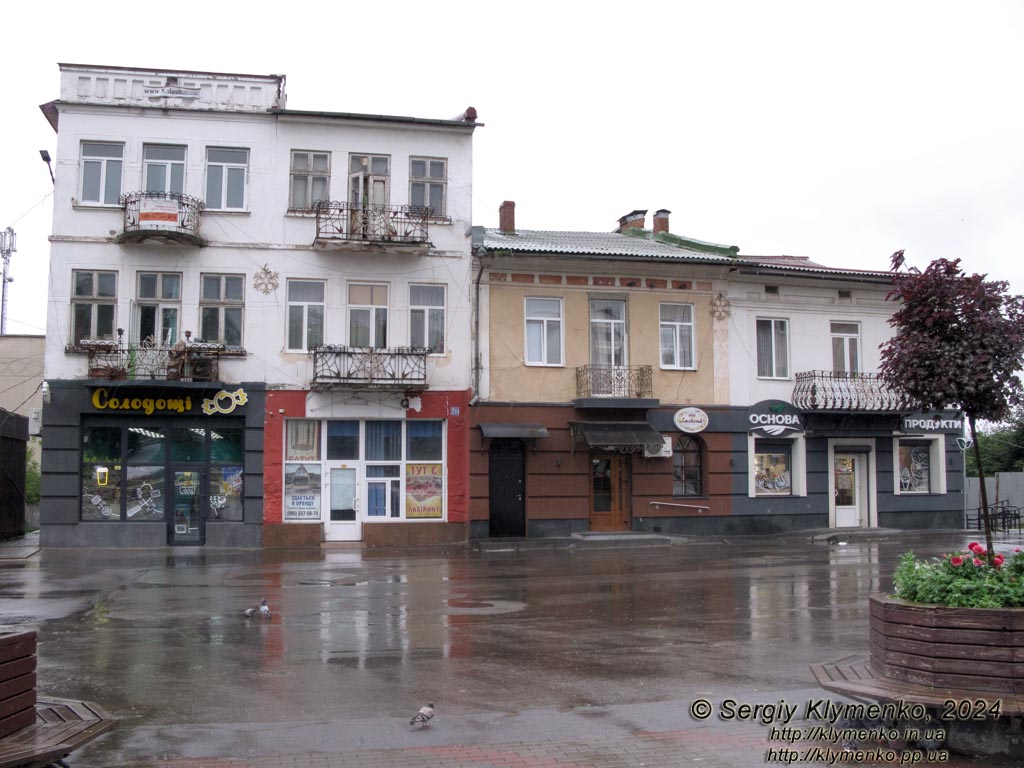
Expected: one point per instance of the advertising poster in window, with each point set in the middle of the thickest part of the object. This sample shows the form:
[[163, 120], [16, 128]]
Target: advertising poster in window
[[424, 491], [301, 492], [772, 475]]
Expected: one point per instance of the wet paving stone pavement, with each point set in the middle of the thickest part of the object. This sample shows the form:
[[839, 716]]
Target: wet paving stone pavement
[[534, 658]]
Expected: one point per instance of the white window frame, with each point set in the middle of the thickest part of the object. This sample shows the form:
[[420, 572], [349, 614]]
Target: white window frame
[[936, 464], [429, 182], [304, 306], [226, 166], [221, 304], [366, 182], [167, 165], [106, 168], [678, 329], [93, 301], [424, 311], [308, 176], [845, 338], [373, 309], [318, 432], [544, 321], [774, 321], [797, 469], [616, 327], [160, 304]]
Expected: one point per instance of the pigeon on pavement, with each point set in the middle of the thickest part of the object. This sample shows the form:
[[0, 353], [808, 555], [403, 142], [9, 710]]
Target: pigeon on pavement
[[264, 609], [424, 716], [249, 612]]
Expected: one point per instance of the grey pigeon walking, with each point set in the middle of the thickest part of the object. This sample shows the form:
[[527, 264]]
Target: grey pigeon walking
[[264, 609], [424, 716]]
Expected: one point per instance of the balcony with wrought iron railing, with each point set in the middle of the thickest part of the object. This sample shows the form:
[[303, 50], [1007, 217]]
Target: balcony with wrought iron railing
[[165, 216], [840, 392], [600, 385], [403, 227], [341, 367], [189, 361]]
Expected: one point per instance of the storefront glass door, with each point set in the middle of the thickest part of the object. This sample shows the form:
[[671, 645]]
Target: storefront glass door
[[188, 518], [849, 491], [343, 522]]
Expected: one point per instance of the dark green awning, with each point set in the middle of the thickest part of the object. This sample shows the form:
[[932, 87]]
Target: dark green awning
[[617, 436]]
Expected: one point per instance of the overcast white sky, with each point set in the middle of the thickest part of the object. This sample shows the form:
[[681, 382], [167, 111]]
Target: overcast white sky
[[842, 131]]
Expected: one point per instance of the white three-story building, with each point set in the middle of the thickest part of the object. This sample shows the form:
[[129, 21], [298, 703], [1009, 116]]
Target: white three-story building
[[258, 318]]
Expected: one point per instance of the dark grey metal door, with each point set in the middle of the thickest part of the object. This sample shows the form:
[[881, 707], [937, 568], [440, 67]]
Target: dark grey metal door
[[507, 488]]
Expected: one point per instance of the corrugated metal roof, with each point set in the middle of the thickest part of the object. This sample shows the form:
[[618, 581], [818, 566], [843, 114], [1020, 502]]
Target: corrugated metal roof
[[610, 244], [804, 264], [645, 246]]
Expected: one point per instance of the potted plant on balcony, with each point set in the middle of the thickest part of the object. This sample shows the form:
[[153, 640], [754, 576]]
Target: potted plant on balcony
[[950, 632]]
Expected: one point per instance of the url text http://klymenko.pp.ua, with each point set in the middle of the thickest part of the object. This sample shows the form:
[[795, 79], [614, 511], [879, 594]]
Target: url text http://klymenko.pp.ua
[[832, 732]]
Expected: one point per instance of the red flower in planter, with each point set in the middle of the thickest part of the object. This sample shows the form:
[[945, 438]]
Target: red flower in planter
[[974, 547], [998, 560], [978, 562], [956, 560]]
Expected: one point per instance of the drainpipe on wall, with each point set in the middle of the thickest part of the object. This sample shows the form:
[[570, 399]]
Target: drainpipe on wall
[[477, 245]]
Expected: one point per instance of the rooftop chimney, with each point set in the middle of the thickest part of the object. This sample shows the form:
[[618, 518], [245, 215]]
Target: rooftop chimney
[[634, 220], [507, 217], [661, 220]]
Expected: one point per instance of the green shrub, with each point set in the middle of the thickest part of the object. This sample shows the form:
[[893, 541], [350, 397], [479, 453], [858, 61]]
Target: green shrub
[[962, 579], [32, 476]]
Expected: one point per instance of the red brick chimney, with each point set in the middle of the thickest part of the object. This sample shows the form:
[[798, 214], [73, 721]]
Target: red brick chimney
[[507, 217], [661, 220], [634, 220]]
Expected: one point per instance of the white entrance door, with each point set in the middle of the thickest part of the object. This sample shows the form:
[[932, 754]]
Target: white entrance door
[[341, 484], [850, 490]]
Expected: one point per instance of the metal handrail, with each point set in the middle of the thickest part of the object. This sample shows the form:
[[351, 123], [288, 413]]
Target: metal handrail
[[182, 220], [614, 381], [403, 224], [674, 504], [839, 391]]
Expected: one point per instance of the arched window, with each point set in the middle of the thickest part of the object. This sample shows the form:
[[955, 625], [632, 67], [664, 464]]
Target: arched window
[[688, 467]]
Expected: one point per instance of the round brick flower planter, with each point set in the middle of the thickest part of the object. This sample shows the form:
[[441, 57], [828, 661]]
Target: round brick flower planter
[[965, 650]]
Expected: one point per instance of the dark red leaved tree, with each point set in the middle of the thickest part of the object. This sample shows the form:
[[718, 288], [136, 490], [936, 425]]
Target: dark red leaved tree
[[959, 344]]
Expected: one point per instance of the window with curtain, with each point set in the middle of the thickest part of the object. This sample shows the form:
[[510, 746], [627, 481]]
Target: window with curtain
[[688, 467], [543, 331], [676, 335], [426, 317], [608, 333], [772, 348], [383, 441]]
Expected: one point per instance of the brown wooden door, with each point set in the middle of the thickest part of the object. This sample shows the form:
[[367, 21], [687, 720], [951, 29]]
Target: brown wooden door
[[609, 493]]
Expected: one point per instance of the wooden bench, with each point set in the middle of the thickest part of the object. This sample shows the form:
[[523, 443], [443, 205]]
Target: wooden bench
[[61, 727], [36, 731], [853, 676]]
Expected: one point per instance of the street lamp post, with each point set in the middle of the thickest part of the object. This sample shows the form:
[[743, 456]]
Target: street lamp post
[[8, 246]]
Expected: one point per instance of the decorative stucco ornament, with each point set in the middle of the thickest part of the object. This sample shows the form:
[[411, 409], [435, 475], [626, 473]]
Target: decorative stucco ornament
[[720, 307], [264, 280]]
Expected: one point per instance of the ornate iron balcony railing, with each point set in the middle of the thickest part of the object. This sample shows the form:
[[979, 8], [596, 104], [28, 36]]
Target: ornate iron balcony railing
[[613, 381], [163, 215], [150, 361], [400, 225], [336, 366], [830, 391]]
